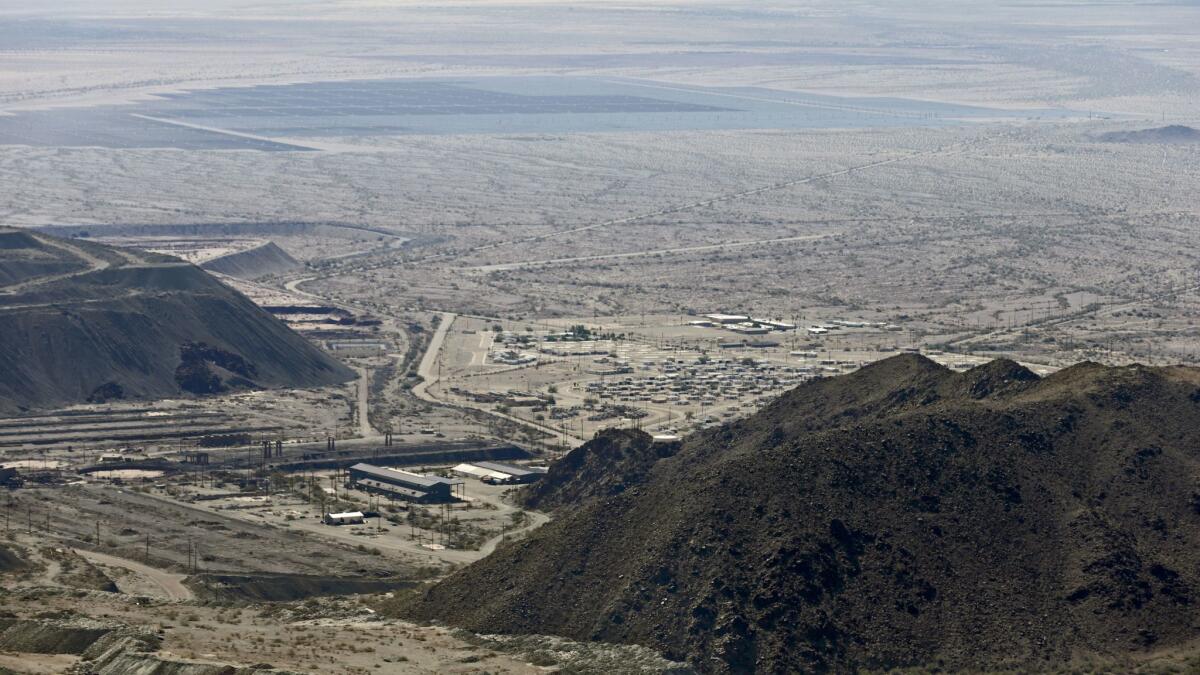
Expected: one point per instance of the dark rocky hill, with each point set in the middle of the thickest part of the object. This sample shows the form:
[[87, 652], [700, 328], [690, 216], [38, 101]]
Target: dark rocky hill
[[1174, 133], [611, 463], [81, 322], [904, 515]]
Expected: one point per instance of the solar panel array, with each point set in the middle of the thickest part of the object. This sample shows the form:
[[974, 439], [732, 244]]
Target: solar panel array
[[279, 117]]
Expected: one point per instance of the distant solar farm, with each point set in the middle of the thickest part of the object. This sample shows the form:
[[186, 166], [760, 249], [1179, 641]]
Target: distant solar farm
[[279, 117]]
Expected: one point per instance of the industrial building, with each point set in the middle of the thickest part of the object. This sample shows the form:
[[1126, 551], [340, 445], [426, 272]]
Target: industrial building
[[404, 485], [748, 328], [726, 318], [499, 472], [775, 324], [347, 518], [740, 323]]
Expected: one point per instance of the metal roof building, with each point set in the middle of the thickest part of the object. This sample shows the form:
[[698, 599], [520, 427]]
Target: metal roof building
[[480, 472], [347, 518], [404, 485], [727, 318], [520, 474]]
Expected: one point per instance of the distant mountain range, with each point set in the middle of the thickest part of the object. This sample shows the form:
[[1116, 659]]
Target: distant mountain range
[[901, 516], [83, 322], [1169, 134]]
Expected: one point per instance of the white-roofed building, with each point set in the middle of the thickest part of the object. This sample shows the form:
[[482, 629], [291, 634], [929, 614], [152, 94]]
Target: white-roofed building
[[346, 518], [479, 472], [727, 318], [500, 472]]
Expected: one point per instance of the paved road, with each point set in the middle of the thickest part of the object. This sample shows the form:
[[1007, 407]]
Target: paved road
[[293, 286], [169, 582], [364, 403], [218, 130], [428, 366], [428, 371], [642, 254]]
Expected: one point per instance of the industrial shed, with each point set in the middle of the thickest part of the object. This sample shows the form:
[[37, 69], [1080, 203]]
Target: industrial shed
[[479, 472], [404, 485], [347, 518], [499, 472]]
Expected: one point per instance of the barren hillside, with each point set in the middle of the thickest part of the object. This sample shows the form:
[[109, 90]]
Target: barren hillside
[[904, 515]]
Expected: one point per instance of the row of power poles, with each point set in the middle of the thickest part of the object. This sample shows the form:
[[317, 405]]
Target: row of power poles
[[41, 523]]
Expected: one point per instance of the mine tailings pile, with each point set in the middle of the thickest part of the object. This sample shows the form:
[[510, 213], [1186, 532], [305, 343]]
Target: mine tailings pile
[[262, 259], [82, 322], [904, 515]]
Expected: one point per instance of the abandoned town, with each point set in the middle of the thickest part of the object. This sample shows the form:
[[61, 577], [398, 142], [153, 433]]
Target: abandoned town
[[541, 336]]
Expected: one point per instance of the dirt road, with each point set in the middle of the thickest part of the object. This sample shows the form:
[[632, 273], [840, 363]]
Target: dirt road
[[536, 520], [94, 263], [169, 582]]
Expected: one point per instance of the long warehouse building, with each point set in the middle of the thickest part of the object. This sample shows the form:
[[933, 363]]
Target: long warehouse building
[[404, 485]]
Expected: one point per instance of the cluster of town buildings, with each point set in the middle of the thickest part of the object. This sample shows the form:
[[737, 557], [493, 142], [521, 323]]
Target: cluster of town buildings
[[703, 382], [520, 349], [747, 325]]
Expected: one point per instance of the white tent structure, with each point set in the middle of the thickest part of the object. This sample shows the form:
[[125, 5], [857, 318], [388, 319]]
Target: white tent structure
[[480, 472]]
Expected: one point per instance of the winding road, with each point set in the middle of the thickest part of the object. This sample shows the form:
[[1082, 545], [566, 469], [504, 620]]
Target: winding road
[[536, 520]]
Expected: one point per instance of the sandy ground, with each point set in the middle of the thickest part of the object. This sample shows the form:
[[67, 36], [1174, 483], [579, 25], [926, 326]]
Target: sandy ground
[[335, 636]]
